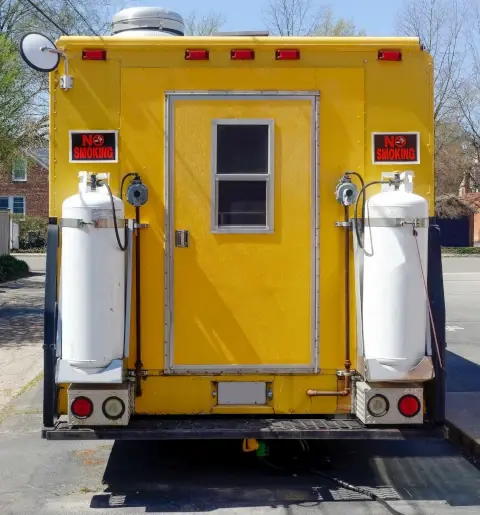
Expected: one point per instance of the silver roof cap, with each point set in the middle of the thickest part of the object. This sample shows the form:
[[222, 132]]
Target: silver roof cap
[[145, 19]]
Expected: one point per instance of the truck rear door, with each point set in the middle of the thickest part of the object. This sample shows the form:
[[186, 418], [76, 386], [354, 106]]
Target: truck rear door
[[242, 229]]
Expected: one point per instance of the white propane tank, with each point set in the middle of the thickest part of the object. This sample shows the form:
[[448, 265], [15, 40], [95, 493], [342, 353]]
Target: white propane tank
[[394, 298], [92, 298], [136, 22]]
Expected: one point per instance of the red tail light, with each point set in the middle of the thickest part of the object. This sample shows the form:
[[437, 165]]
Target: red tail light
[[82, 407], [197, 55], [389, 55], [287, 55], [242, 55], [409, 406], [94, 55]]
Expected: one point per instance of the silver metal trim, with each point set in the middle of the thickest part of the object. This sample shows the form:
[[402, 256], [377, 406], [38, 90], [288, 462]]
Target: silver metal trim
[[268, 178], [170, 97], [169, 234], [114, 373], [128, 289], [243, 370], [374, 371], [358, 258], [396, 222], [260, 94], [100, 223], [315, 229]]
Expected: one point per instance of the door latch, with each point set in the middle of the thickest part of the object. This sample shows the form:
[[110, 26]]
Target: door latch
[[181, 239]]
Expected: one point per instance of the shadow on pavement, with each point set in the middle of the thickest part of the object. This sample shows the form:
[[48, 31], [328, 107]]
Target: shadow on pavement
[[462, 375], [21, 312], [205, 476]]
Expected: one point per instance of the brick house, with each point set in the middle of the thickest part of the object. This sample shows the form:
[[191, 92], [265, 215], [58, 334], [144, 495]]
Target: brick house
[[473, 200], [24, 184]]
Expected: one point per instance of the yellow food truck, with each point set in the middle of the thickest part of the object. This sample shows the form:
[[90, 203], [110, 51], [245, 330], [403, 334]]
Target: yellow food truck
[[241, 240]]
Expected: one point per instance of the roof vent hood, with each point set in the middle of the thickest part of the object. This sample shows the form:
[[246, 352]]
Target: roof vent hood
[[147, 22]]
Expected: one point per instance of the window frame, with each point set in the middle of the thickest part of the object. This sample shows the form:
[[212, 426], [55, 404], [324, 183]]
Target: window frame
[[8, 203], [11, 199], [25, 160], [268, 178]]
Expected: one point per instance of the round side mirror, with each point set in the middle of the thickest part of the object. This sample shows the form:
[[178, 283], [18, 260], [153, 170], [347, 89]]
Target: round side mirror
[[39, 52]]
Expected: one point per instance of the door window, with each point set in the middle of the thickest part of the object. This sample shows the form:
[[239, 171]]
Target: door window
[[243, 176]]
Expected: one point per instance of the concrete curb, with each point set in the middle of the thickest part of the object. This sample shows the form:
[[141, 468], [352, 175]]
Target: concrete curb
[[18, 255], [460, 438], [460, 255]]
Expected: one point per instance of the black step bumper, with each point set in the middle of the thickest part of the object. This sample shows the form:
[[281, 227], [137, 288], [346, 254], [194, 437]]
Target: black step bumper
[[156, 428]]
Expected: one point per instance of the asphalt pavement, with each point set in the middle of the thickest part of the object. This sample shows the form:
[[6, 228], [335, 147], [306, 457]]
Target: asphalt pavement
[[413, 478]]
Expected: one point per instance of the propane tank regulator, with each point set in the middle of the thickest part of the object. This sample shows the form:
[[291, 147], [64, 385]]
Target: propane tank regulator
[[137, 193], [346, 192]]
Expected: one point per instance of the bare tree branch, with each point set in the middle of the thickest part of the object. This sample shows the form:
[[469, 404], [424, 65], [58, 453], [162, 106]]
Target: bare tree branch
[[440, 25], [205, 25], [305, 18]]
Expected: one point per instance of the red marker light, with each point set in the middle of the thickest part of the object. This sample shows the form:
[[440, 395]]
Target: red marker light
[[82, 407], [389, 55], [287, 55], [409, 406], [242, 55], [197, 55], [94, 55]]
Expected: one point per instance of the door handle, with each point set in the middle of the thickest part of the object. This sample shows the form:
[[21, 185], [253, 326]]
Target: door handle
[[181, 239]]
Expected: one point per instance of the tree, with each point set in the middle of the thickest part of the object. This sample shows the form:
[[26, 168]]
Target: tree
[[330, 25], [204, 25], [23, 92], [305, 18], [468, 92], [17, 129], [440, 25]]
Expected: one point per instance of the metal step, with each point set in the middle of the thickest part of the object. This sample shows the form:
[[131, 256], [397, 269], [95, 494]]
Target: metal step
[[155, 428]]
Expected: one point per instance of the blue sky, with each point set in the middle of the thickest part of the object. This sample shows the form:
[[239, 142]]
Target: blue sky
[[376, 17]]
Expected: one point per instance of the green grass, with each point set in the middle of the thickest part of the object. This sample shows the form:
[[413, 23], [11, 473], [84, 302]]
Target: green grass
[[12, 268], [461, 251]]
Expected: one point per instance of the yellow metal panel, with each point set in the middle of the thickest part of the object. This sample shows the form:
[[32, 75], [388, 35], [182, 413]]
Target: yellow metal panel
[[405, 105], [93, 103], [243, 299], [175, 395], [192, 395], [290, 396], [141, 143], [358, 44]]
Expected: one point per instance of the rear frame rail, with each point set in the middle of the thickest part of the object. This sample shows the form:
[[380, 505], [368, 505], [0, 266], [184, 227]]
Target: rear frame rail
[[239, 428]]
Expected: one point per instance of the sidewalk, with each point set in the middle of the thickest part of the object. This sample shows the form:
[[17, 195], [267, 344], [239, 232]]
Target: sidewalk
[[462, 294], [21, 336]]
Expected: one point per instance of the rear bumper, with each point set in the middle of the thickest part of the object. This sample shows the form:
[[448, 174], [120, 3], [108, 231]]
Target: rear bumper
[[156, 428]]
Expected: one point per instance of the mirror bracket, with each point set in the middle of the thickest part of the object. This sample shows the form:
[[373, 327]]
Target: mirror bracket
[[66, 80]]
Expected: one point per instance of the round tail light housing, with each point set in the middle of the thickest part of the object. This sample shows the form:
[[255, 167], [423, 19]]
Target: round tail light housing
[[82, 407], [113, 408], [378, 406], [409, 406]]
